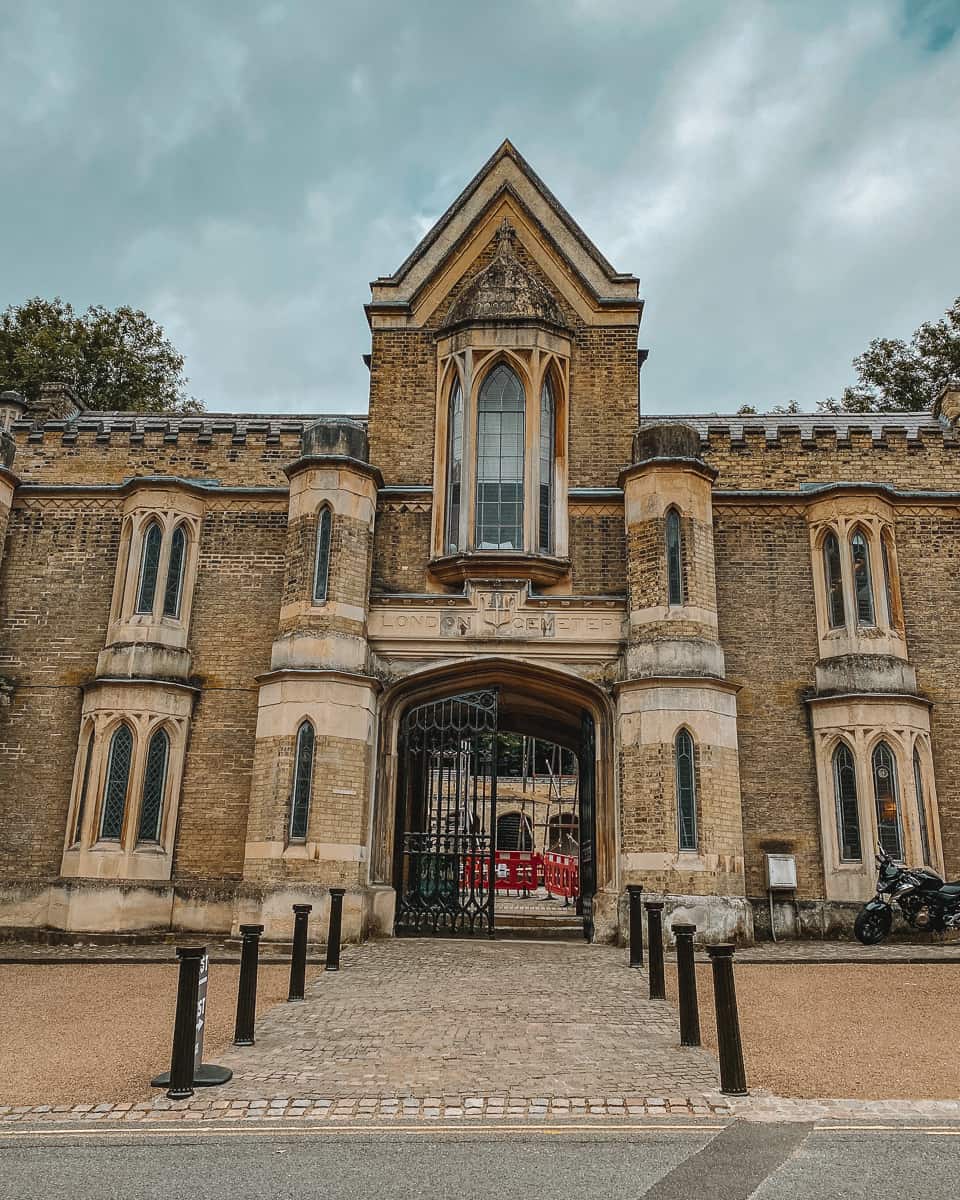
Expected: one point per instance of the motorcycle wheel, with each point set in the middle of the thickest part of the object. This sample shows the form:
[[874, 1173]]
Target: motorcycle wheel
[[872, 925]]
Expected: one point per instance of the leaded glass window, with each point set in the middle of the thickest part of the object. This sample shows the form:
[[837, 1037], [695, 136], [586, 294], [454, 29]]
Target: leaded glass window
[[686, 791], [500, 424], [84, 786], [921, 808], [154, 784], [862, 584], [321, 568], [547, 422], [833, 577], [115, 789], [674, 558], [173, 591], [848, 811], [302, 781], [454, 467], [149, 566], [887, 799]]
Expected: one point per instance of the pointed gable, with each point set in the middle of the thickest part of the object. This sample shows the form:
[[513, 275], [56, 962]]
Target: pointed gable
[[505, 188]]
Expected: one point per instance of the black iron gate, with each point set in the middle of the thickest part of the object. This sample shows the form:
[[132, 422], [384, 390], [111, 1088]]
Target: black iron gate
[[447, 816], [588, 822]]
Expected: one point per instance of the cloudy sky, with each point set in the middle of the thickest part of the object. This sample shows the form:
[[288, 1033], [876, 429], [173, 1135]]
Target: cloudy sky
[[784, 177]]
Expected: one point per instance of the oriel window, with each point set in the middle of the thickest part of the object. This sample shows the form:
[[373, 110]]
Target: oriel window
[[500, 434], [848, 811]]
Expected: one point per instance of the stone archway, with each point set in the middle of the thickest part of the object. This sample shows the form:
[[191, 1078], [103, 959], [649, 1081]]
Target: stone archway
[[546, 702]]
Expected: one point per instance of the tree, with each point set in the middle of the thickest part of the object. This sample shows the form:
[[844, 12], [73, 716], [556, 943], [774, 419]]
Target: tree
[[116, 360], [896, 376]]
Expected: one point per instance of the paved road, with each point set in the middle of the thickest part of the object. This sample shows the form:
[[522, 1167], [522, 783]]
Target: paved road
[[661, 1162]]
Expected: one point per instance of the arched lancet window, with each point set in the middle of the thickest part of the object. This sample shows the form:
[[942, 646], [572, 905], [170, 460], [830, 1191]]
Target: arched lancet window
[[833, 578], [848, 811], [302, 782], [149, 566], [321, 566], [674, 546], [499, 524], [84, 787], [921, 808], [173, 592], [686, 791], [891, 584], [547, 435], [862, 584], [454, 467], [887, 798], [115, 788], [154, 785]]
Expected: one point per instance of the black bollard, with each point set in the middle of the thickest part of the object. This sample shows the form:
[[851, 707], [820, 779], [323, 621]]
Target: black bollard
[[333, 936], [247, 989], [733, 1078], [655, 948], [180, 1084], [634, 891], [687, 982], [298, 961]]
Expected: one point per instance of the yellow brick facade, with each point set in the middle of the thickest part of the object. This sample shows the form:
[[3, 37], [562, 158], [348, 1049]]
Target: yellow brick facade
[[580, 637]]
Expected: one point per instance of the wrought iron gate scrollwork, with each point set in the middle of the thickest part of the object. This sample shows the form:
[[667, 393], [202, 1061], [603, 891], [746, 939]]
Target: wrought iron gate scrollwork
[[446, 816]]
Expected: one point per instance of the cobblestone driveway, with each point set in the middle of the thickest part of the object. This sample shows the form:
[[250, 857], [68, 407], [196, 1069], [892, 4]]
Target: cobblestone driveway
[[461, 1018]]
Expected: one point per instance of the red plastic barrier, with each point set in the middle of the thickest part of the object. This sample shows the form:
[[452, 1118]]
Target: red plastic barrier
[[561, 875], [518, 871]]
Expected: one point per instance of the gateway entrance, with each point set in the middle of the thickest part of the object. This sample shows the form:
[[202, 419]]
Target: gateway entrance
[[490, 818]]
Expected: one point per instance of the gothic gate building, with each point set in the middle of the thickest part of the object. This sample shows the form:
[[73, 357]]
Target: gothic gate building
[[244, 658]]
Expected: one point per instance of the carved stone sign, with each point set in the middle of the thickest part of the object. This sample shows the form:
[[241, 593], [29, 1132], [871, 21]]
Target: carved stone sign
[[498, 612]]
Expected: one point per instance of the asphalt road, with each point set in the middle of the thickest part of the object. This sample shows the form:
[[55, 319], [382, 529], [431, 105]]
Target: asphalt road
[[761, 1161]]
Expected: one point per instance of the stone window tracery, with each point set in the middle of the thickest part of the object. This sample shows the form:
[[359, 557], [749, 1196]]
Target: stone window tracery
[[500, 457], [302, 782], [856, 580], [129, 764], [321, 566], [921, 807], [173, 592], [848, 810], [149, 568], [114, 803], [887, 799], [154, 786], [674, 549], [685, 768]]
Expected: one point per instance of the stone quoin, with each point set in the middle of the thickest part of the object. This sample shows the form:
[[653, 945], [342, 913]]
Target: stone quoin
[[218, 632]]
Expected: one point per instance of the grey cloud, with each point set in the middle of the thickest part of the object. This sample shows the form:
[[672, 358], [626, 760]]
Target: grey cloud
[[781, 177]]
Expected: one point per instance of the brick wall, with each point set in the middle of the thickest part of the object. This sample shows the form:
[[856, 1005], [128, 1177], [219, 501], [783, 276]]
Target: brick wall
[[598, 553], [401, 547]]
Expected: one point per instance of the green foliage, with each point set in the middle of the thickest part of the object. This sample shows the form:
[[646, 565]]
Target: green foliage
[[899, 376], [116, 360]]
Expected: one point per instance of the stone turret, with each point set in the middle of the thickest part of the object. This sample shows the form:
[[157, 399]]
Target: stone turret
[[318, 682], [673, 693]]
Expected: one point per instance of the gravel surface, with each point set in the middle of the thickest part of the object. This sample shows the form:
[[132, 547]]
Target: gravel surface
[[77, 1034], [858, 1032]]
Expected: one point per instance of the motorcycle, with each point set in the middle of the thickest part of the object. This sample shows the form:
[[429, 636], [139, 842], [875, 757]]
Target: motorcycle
[[927, 902]]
